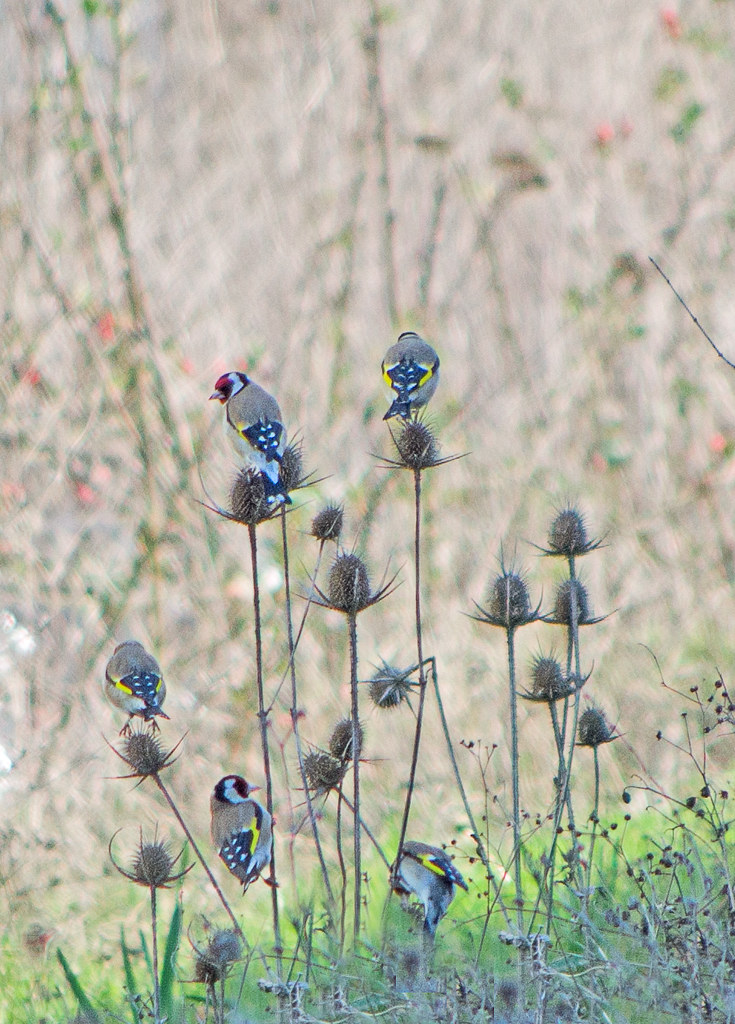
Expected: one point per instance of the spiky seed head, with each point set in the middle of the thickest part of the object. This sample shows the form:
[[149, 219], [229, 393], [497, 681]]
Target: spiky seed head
[[416, 445], [510, 602], [340, 742], [213, 963], [152, 865], [568, 533], [349, 584], [327, 524], [594, 729], [390, 687], [563, 603], [323, 772], [248, 503], [144, 753], [507, 996], [547, 679], [292, 467]]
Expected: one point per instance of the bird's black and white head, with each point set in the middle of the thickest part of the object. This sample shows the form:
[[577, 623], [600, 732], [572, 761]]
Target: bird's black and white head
[[228, 385], [233, 789]]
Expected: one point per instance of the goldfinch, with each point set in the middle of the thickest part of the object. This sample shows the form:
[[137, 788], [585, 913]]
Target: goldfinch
[[242, 829], [254, 427], [411, 369], [133, 683], [430, 875]]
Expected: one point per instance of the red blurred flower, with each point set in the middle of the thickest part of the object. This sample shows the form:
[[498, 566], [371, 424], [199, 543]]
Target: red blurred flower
[[106, 326], [671, 21], [604, 133]]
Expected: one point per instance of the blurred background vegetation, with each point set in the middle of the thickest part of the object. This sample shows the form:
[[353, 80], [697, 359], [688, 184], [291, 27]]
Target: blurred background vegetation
[[190, 188]]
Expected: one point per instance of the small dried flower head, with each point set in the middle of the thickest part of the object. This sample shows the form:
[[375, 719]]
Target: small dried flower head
[[547, 680], [340, 742], [416, 445], [248, 501], [327, 524], [563, 603], [152, 864], [594, 729], [510, 603], [568, 533], [349, 584], [144, 753], [390, 686], [323, 772], [213, 963], [292, 467]]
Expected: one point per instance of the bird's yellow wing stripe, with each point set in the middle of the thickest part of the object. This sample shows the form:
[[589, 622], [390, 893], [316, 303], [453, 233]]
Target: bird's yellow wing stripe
[[119, 685], [428, 862], [386, 376], [255, 833], [427, 376]]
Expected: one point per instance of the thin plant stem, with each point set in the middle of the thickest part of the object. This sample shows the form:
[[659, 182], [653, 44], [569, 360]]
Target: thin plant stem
[[515, 778], [595, 819], [479, 846], [342, 871], [263, 723], [420, 659], [352, 623], [185, 829], [295, 709], [154, 944]]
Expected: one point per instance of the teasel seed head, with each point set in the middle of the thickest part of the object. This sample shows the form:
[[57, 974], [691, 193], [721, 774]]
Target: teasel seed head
[[548, 683], [248, 502], [213, 963], [568, 534], [390, 686], [349, 584], [327, 524], [152, 864], [292, 467], [340, 742], [143, 752], [416, 445], [510, 603], [563, 602], [323, 771], [594, 729]]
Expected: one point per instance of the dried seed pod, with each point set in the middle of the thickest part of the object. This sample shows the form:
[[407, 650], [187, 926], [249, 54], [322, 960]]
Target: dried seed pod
[[594, 729], [510, 603], [568, 533], [563, 602], [213, 963], [416, 445], [327, 524], [248, 501], [323, 772], [292, 467], [390, 686], [340, 742], [152, 865], [144, 753], [349, 584]]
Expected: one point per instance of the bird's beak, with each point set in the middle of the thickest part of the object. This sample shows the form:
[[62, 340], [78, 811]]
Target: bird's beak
[[251, 789], [219, 396]]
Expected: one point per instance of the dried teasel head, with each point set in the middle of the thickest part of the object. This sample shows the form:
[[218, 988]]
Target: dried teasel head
[[340, 741], [569, 592], [248, 501], [292, 468], [509, 602], [213, 963], [323, 771], [548, 682], [391, 686], [327, 524], [568, 534], [152, 865], [143, 753], [594, 729], [416, 445], [348, 588]]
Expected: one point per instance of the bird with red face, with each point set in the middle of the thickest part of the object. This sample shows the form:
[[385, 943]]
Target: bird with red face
[[242, 829]]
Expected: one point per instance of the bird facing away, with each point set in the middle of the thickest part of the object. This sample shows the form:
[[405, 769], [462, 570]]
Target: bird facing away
[[242, 829], [411, 369], [133, 683], [429, 874], [254, 427]]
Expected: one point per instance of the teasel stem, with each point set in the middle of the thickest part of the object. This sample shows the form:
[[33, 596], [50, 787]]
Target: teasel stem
[[574, 650], [515, 778], [420, 657], [481, 851], [198, 854], [367, 831], [352, 624], [295, 708], [263, 722], [154, 953], [595, 820], [342, 870]]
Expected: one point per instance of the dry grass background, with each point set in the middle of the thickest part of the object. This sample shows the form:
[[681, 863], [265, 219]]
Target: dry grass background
[[249, 142]]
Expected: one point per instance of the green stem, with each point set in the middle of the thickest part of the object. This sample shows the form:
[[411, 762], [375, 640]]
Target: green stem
[[154, 944], [352, 621], [515, 775]]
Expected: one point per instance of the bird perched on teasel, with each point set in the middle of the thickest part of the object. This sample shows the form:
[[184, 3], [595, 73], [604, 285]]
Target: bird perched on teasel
[[242, 829], [133, 683], [255, 428], [411, 369], [427, 873]]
